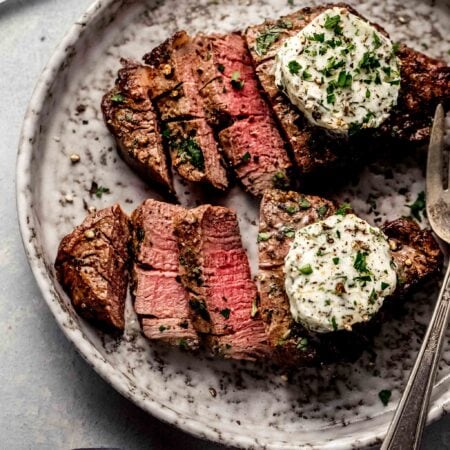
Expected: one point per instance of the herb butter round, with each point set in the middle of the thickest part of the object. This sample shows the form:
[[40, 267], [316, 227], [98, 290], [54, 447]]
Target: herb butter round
[[340, 71], [337, 273]]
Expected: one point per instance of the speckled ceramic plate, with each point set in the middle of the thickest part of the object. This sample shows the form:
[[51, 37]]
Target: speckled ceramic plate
[[242, 404]]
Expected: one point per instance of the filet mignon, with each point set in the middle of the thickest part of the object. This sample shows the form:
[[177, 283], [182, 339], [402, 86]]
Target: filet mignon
[[92, 267]]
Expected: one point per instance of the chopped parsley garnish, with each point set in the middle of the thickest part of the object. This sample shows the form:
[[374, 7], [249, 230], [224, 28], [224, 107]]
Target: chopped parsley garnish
[[236, 81], [225, 313], [270, 35], [363, 278], [245, 158], [336, 261], [289, 232], [200, 308], [343, 209], [354, 128], [321, 211], [360, 263], [344, 79], [294, 67], [367, 93], [331, 99], [306, 269], [100, 191], [302, 344], [376, 40], [189, 151], [395, 47], [165, 133], [291, 209], [418, 206], [304, 203], [162, 328], [385, 396], [384, 285], [332, 23], [280, 180], [306, 75], [221, 68], [318, 37], [262, 237], [182, 343], [369, 61], [117, 98], [372, 297], [334, 324]]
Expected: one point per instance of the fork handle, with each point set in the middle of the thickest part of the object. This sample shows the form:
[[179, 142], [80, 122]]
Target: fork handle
[[405, 430]]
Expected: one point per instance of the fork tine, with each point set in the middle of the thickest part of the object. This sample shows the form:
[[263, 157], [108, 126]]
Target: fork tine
[[434, 179]]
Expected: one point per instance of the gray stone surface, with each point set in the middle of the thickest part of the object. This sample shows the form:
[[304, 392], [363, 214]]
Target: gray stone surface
[[49, 397]]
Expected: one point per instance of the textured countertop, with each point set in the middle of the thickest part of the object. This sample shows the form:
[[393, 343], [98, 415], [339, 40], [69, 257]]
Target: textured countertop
[[50, 398]]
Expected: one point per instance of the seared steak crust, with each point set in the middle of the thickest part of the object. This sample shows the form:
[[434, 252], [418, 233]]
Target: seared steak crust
[[425, 82], [415, 252], [92, 267], [160, 301], [215, 270], [131, 119]]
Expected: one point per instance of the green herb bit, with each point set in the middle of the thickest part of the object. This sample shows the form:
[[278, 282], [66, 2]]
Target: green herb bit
[[363, 279], [306, 269], [336, 261], [354, 128], [245, 158], [385, 396], [360, 263], [166, 132], [367, 93], [200, 308], [327, 302], [117, 98], [236, 81], [162, 328], [395, 47], [418, 206], [280, 180], [302, 344], [304, 203], [306, 75], [225, 313], [344, 208], [289, 232], [331, 99], [334, 324], [376, 40], [338, 234], [290, 2], [291, 209], [384, 285], [344, 79], [190, 151], [221, 68], [321, 211], [369, 61], [183, 344], [332, 23], [372, 297], [294, 67], [318, 37], [262, 237], [270, 35], [100, 191]]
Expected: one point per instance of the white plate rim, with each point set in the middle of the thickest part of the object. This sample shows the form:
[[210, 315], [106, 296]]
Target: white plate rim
[[92, 356]]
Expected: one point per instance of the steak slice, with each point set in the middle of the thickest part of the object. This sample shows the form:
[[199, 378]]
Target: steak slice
[[415, 252], [425, 82], [255, 150], [160, 301], [130, 117], [194, 152], [92, 267], [214, 269]]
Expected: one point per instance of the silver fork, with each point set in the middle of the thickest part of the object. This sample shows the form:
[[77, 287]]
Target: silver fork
[[405, 430]]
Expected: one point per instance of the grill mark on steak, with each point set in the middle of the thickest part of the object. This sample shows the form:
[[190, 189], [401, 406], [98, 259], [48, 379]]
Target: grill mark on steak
[[92, 267], [214, 269], [174, 91], [131, 119], [425, 82], [160, 301], [415, 252]]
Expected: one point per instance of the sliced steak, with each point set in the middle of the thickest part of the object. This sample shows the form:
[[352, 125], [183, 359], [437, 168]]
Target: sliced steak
[[130, 117], [194, 152], [92, 267], [174, 91], [214, 269], [415, 251], [256, 152], [160, 301], [425, 82], [232, 95]]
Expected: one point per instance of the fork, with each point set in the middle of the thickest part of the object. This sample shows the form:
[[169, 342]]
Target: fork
[[406, 428]]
